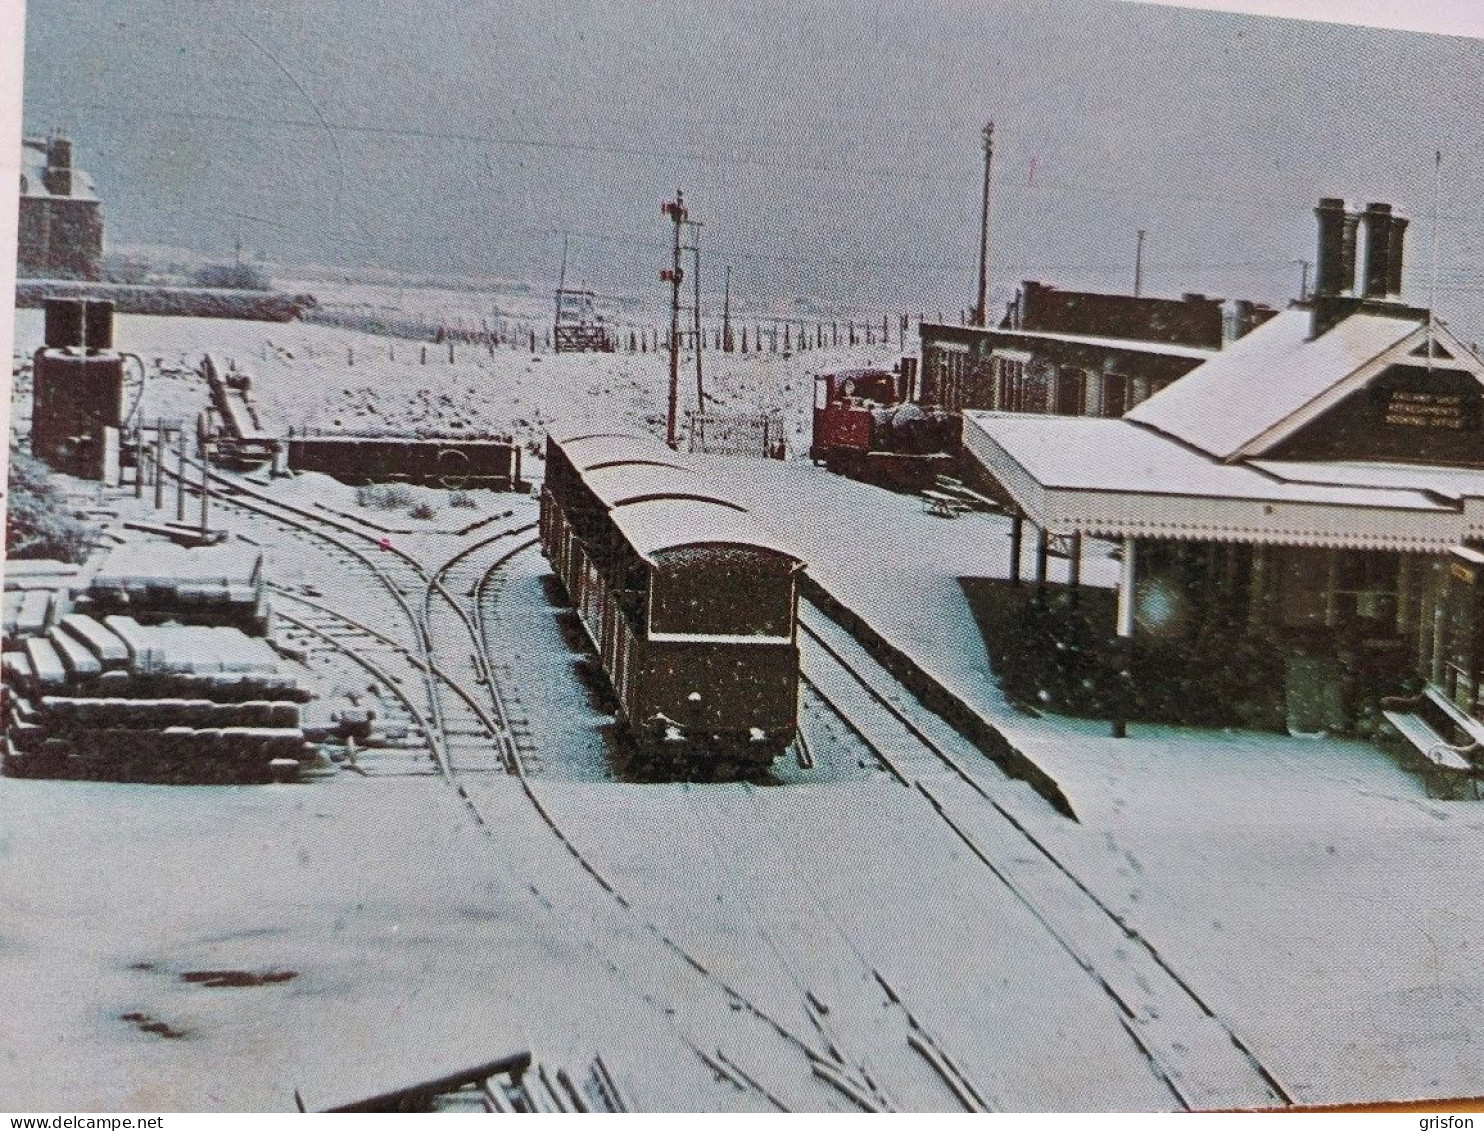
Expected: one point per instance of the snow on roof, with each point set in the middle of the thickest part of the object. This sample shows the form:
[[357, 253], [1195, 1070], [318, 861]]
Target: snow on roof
[[616, 447], [1449, 482], [618, 483], [1266, 377], [565, 435], [33, 170], [1089, 453], [655, 525], [1136, 345]]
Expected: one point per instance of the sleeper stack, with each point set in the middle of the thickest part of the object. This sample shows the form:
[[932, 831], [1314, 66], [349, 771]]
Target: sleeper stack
[[113, 699]]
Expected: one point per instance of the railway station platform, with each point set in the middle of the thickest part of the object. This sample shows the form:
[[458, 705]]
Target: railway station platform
[[902, 568]]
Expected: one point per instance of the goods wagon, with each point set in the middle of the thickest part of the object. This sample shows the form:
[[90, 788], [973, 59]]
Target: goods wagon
[[452, 463]]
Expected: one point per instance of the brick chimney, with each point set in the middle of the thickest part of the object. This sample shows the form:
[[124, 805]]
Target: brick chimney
[[58, 175], [1336, 293], [1335, 270]]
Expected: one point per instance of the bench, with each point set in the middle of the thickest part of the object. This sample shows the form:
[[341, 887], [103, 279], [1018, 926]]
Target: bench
[[942, 505], [1422, 720]]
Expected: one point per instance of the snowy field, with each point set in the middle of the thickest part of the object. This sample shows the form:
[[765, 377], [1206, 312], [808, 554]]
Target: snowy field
[[336, 380]]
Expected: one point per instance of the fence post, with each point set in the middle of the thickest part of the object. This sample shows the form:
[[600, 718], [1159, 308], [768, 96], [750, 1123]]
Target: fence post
[[203, 427], [180, 470], [159, 467]]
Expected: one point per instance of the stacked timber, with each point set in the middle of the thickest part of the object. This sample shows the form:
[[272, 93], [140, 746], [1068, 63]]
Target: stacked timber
[[153, 581], [118, 700], [36, 592]]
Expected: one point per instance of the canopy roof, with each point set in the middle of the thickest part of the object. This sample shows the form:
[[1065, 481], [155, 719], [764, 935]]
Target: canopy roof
[[1116, 478]]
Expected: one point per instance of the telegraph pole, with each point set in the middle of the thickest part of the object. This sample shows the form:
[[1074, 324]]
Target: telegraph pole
[[726, 313], [981, 311], [675, 210], [1139, 264], [699, 338]]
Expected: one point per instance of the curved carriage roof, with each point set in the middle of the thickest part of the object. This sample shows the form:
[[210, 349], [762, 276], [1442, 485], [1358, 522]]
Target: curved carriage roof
[[616, 484], [653, 526], [616, 447]]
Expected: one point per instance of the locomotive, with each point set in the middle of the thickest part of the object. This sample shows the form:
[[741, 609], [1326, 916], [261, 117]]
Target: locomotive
[[867, 426], [690, 606]]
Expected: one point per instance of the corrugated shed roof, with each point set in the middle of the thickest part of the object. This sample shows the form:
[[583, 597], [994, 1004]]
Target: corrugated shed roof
[[1265, 378], [1131, 345], [656, 525], [618, 483], [1090, 453]]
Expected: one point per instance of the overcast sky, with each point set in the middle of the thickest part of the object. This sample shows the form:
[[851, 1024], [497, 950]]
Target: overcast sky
[[830, 148]]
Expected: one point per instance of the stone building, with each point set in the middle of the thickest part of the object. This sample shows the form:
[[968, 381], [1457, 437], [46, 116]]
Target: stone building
[[61, 220], [1077, 353]]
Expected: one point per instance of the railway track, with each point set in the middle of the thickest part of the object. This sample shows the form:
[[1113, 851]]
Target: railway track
[[470, 729], [1200, 1058], [435, 654], [824, 1051], [828, 1053]]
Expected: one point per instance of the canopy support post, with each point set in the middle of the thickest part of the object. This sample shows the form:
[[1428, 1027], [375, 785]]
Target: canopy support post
[[1123, 642]]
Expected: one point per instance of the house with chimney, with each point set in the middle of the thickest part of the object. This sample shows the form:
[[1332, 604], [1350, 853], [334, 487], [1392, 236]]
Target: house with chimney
[[1077, 353], [1313, 493], [61, 218]]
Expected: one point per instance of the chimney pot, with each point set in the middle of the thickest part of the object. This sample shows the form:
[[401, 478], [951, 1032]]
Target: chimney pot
[[1383, 254], [1394, 269], [1335, 269]]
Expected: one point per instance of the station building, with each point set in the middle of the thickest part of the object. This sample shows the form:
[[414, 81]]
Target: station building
[[1078, 353], [1317, 488], [61, 219]]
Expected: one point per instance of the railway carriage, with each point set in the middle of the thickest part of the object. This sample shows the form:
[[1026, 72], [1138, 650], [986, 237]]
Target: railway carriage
[[690, 605]]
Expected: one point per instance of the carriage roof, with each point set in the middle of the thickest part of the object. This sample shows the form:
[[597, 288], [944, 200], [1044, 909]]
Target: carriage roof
[[614, 447], [631, 481], [654, 526]]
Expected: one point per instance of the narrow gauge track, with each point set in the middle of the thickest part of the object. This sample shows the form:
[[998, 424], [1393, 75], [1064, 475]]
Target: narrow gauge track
[[828, 1066], [408, 582], [426, 599], [835, 1067], [1143, 992]]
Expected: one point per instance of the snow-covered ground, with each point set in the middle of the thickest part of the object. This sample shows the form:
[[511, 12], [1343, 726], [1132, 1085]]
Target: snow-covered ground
[[336, 380], [1308, 886], [1308, 890]]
